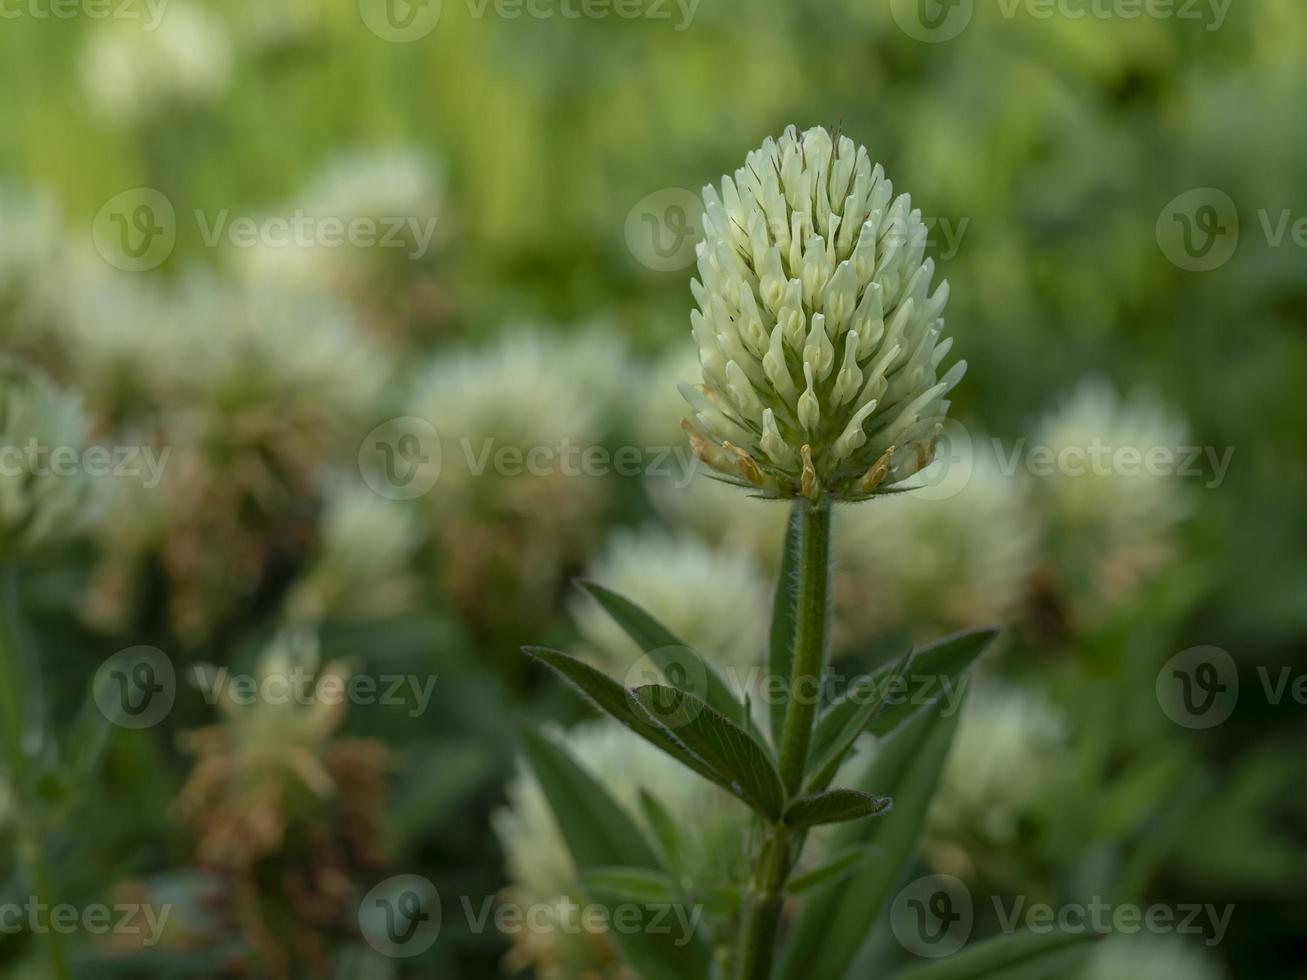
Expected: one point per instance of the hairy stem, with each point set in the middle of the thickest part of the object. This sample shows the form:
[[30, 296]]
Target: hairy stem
[[760, 917], [811, 636]]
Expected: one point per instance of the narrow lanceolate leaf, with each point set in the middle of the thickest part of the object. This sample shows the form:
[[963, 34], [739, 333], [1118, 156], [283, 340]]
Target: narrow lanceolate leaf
[[610, 697], [834, 806], [599, 834], [837, 867], [781, 640], [847, 718], [682, 667], [724, 745], [835, 919], [631, 884], [1021, 956], [935, 673], [665, 831]]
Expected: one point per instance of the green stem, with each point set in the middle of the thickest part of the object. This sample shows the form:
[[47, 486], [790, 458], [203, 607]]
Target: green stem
[[761, 914], [38, 872], [760, 918], [811, 636]]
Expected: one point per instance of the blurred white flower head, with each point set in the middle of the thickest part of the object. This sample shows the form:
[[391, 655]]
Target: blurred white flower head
[[361, 566], [819, 335], [1109, 525], [958, 552], [31, 248], [686, 585], [1150, 957], [41, 503], [519, 411], [130, 74], [1008, 745], [119, 336], [540, 868], [263, 343], [715, 511]]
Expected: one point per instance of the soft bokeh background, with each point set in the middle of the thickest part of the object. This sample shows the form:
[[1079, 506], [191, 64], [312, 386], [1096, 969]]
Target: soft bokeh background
[[544, 167]]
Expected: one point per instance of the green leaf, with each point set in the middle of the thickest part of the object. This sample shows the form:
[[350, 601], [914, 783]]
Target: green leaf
[[610, 697], [942, 662], [1020, 956], [834, 806], [781, 639], [599, 834], [667, 651], [847, 718], [834, 869], [724, 745], [632, 884], [836, 918], [664, 829]]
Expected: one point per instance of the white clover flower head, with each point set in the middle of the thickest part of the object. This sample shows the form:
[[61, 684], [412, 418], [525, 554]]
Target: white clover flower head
[[540, 394], [819, 335], [961, 552], [129, 74], [1005, 752], [385, 182], [539, 865], [263, 343], [1111, 515], [684, 584], [39, 503], [1148, 956], [361, 566], [118, 337], [30, 251]]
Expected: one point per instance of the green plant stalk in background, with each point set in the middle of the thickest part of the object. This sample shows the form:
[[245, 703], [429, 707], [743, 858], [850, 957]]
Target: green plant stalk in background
[[31, 835], [762, 906]]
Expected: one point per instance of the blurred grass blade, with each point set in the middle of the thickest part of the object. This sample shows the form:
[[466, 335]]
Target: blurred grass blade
[[664, 830], [631, 884], [22, 697], [834, 806], [727, 747], [599, 834], [613, 699], [838, 866], [666, 650], [836, 919], [780, 647], [1020, 956]]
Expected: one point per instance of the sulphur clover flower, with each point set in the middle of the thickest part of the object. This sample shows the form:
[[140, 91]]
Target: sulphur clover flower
[[819, 336]]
